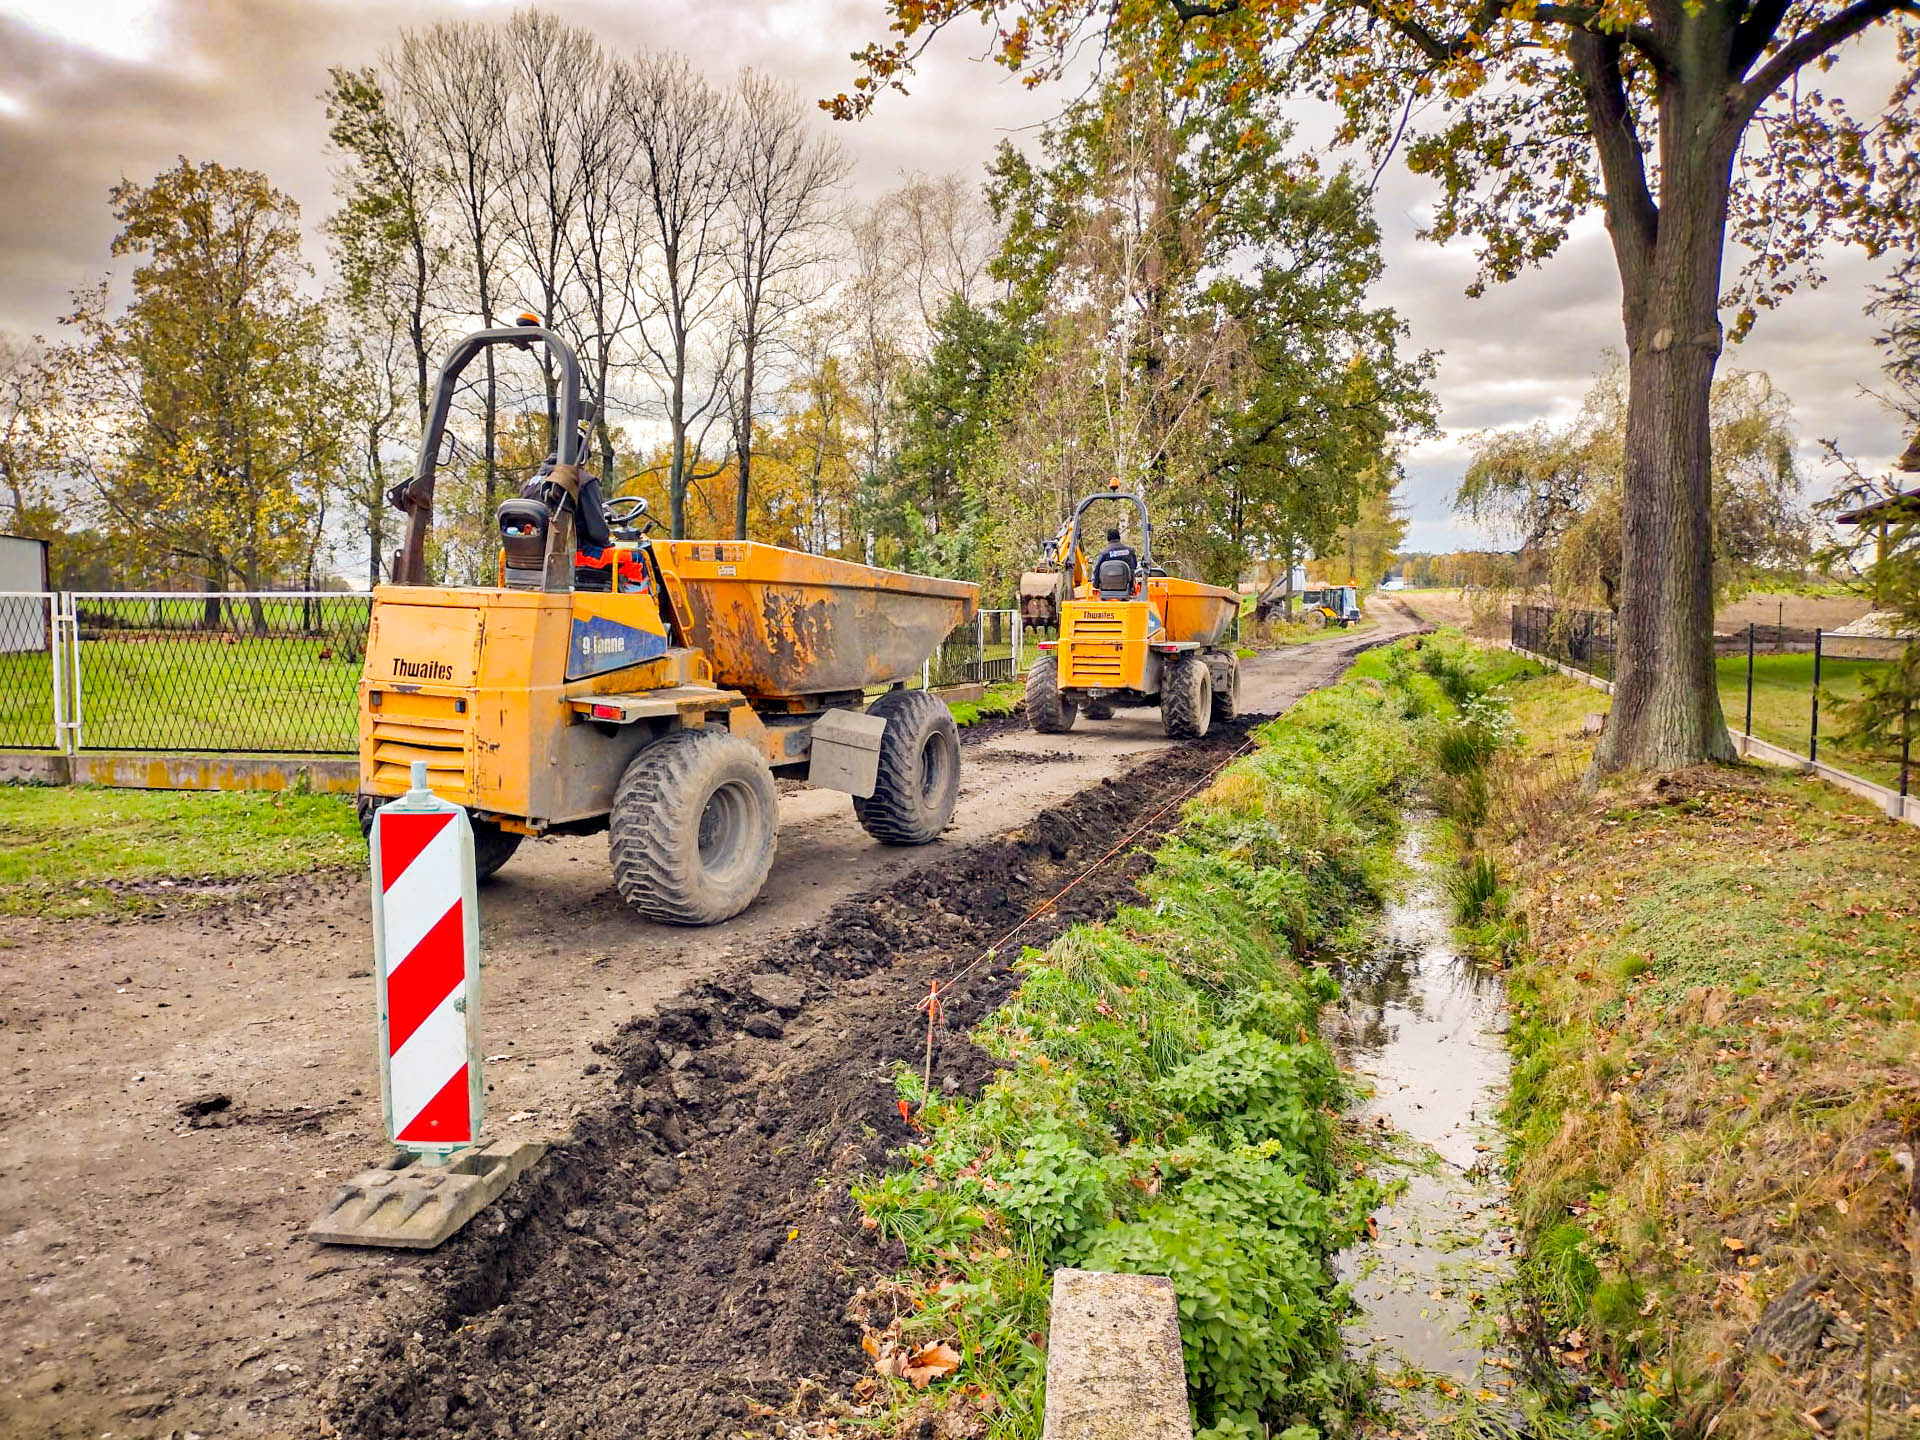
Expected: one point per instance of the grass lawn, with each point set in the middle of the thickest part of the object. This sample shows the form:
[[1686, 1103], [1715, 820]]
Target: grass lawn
[[180, 692], [71, 851], [1715, 994], [1002, 698], [1782, 708]]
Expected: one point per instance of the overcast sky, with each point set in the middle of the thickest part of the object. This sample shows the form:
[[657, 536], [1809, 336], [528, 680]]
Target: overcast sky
[[94, 90]]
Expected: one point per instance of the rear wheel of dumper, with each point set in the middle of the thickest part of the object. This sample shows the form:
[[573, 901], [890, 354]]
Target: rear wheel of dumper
[[919, 780], [1186, 698], [1098, 710], [1048, 711], [492, 846], [693, 826]]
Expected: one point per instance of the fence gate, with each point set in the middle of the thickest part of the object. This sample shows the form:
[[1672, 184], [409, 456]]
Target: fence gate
[[33, 652]]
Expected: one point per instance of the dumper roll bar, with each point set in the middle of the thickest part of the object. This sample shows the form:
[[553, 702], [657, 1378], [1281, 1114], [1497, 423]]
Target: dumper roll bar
[[1129, 497], [414, 497]]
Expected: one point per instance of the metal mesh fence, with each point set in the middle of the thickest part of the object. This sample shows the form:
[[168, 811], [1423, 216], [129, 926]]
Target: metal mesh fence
[[982, 651], [1583, 639], [27, 672], [263, 673], [232, 673], [1800, 695]]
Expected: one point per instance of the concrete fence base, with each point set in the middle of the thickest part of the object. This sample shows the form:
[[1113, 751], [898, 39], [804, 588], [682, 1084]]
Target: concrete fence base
[[1750, 747], [132, 771]]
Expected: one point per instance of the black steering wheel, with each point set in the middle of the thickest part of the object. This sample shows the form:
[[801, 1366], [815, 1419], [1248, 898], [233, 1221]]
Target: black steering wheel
[[624, 510]]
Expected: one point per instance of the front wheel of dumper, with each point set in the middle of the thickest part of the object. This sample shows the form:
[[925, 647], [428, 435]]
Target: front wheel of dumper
[[919, 780], [693, 827]]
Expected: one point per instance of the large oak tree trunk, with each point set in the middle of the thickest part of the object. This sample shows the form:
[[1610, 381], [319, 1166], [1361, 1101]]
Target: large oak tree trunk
[[1666, 704], [1666, 708]]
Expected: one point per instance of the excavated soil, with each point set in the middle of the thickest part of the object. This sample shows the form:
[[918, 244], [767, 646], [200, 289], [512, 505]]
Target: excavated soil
[[690, 1249]]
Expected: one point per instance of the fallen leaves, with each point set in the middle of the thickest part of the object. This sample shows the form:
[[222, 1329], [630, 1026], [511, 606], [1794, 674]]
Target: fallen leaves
[[919, 1366]]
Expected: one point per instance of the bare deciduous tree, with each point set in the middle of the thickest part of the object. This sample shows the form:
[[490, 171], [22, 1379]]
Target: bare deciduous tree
[[783, 181], [681, 129], [454, 75]]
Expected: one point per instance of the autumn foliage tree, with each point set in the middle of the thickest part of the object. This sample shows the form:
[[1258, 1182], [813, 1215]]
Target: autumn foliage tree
[[212, 410], [1682, 121]]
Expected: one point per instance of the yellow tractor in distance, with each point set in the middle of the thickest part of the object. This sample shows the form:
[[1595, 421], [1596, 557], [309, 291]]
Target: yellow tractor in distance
[[1133, 635], [649, 688]]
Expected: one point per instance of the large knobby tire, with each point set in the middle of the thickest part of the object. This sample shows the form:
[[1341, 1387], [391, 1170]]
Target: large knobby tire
[[919, 779], [1048, 711], [492, 846], [1186, 698], [693, 827], [1223, 673]]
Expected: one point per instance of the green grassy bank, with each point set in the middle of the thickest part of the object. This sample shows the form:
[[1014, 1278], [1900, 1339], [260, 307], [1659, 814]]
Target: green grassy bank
[[1168, 1105], [1715, 991]]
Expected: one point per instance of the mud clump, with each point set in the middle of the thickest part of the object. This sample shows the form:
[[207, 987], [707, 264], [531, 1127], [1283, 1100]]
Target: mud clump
[[690, 1248]]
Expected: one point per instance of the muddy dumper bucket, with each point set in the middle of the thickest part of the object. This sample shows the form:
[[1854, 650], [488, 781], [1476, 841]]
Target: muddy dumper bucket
[[778, 623]]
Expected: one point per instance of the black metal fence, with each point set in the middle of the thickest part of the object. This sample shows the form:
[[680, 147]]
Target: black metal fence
[[984, 650], [1583, 639], [1774, 688]]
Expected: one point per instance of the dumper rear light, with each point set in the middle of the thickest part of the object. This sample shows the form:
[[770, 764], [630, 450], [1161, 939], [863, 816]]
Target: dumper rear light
[[605, 712]]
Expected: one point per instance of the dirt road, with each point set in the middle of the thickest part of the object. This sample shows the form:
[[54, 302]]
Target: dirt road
[[154, 1273]]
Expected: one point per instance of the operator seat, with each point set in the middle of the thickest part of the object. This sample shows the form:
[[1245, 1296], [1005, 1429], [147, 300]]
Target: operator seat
[[1113, 580]]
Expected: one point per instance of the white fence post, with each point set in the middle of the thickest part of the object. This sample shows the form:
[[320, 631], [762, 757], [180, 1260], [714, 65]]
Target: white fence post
[[77, 713], [57, 623]]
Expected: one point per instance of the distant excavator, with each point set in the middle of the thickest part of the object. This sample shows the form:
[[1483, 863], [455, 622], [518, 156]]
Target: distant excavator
[[1133, 635]]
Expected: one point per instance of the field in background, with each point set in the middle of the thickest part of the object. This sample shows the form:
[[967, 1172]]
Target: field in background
[[1796, 612]]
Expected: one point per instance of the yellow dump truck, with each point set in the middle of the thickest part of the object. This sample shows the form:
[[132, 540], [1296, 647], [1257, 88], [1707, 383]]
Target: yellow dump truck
[[649, 688], [1131, 634]]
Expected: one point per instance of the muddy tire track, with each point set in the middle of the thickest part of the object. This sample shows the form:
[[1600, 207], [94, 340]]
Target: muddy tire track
[[691, 1247]]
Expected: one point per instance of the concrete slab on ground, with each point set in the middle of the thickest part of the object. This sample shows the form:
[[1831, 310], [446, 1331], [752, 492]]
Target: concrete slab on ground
[[1114, 1367]]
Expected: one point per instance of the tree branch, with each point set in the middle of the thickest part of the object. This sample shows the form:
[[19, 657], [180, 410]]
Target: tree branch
[[1810, 45], [1632, 215], [1582, 19], [1750, 37]]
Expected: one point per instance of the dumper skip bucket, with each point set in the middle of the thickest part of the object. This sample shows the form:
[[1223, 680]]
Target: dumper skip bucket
[[777, 622]]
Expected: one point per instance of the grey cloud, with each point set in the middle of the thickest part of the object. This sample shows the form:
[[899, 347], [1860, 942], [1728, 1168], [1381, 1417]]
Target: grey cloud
[[240, 79]]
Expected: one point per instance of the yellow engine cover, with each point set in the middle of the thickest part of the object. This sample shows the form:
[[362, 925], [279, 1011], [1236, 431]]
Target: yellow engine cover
[[477, 683], [1103, 645]]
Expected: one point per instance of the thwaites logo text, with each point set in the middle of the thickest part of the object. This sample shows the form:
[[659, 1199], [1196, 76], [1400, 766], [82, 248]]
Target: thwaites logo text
[[1098, 615], [421, 669]]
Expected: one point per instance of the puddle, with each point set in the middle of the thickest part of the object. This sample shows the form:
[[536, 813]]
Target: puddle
[[1422, 1025]]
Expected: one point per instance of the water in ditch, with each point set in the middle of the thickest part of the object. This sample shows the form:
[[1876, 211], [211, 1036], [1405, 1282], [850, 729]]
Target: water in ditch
[[1421, 1026]]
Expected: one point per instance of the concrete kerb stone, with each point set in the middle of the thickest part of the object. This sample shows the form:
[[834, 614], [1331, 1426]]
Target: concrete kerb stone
[[1114, 1365], [409, 1205]]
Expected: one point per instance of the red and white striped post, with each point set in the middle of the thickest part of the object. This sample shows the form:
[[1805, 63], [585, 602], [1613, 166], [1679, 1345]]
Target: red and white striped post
[[426, 947]]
